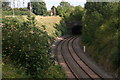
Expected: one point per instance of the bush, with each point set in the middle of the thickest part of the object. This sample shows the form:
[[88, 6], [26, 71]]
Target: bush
[[26, 45], [100, 33], [17, 11]]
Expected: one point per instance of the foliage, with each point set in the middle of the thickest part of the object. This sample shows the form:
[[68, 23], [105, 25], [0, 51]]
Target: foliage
[[77, 13], [56, 71], [63, 8], [38, 8], [10, 71], [26, 45], [5, 6], [17, 11], [69, 14], [7, 10], [61, 28], [100, 32], [89, 26], [105, 9], [25, 49]]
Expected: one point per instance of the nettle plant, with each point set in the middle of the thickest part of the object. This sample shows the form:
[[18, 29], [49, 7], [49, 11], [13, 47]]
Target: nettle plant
[[26, 45]]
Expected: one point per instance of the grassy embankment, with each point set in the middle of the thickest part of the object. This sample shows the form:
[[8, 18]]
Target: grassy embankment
[[49, 22]]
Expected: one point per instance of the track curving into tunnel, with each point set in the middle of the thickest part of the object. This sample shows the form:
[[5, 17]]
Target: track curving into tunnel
[[76, 65]]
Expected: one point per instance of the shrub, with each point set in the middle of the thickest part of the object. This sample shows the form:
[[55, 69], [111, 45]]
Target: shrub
[[26, 45], [100, 32]]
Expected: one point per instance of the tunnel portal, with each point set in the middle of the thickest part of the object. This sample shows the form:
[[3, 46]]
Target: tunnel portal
[[76, 30]]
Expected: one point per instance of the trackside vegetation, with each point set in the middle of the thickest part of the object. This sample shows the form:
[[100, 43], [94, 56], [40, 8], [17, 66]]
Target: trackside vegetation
[[27, 48], [68, 13], [100, 33], [26, 42]]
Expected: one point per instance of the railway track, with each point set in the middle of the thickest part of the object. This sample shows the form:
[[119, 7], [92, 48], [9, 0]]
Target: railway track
[[70, 58]]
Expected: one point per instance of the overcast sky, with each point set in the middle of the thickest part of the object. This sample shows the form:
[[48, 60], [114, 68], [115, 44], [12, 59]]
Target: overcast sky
[[49, 3]]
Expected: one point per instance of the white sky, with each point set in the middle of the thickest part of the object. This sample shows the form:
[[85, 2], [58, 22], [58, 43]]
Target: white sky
[[49, 3]]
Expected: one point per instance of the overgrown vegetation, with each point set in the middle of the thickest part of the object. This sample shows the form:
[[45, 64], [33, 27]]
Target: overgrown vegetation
[[17, 11], [28, 47], [5, 6], [69, 14], [7, 10], [100, 33], [64, 9], [26, 43], [38, 8], [9, 70], [24, 47]]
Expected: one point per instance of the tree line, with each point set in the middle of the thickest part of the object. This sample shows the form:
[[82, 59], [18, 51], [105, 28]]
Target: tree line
[[100, 33], [38, 8]]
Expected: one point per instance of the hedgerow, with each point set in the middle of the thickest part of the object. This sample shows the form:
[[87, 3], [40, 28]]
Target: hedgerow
[[26, 45]]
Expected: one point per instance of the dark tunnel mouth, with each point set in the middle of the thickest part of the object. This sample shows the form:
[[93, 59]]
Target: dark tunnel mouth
[[77, 30]]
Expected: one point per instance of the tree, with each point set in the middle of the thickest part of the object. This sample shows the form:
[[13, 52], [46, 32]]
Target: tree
[[64, 4], [100, 33], [63, 8], [77, 13], [6, 5], [26, 49], [103, 8], [38, 8]]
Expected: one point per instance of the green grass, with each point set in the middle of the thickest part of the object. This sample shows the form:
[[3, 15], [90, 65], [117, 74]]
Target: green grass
[[10, 71], [16, 12], [56, 71]]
